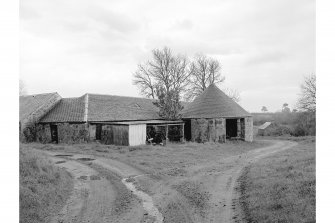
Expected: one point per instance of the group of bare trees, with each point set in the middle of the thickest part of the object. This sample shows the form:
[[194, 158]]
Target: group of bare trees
[[171, 78]]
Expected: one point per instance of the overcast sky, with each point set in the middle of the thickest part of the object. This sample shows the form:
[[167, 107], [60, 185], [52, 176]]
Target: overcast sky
[[75, 47]]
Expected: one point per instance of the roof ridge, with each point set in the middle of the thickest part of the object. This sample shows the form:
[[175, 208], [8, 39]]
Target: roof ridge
[[30, 95], [123, 96], [86, 108]]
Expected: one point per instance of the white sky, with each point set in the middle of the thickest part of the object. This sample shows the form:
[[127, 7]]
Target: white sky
[[75, 47]]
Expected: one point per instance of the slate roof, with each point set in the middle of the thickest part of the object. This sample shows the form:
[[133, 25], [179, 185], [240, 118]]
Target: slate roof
[[120, 108], [265, 125], [67, 110], [30, 104], [102, 108], [213, 103]]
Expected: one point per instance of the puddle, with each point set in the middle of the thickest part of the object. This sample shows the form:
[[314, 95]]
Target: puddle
[[94, 177], [82, 178], [63, 155], [62, 161], [147, 201], [85, 159]]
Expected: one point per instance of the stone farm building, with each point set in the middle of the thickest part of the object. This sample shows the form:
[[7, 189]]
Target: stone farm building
[[213, 116], [120, 120]]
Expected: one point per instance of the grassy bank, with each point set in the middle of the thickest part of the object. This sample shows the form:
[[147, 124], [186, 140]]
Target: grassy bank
[[44, 187], [280, 188]]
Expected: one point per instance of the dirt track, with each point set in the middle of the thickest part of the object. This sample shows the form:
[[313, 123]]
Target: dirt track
[[107, 190]]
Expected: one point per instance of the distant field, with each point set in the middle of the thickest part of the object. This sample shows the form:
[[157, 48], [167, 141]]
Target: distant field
[[281, 187], [44, 188]]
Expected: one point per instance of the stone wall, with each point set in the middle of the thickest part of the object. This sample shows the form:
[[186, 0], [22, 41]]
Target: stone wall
[[208, 130], [248, 125], [72, 133], [67, 133], [43, 134]]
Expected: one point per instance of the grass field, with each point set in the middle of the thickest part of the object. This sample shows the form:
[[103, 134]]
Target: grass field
[[44, 188], [281, 187]]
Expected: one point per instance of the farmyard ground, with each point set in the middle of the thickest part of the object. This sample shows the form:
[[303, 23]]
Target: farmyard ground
[[187, 182]]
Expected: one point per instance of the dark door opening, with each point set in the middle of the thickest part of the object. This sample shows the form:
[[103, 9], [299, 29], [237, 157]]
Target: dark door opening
[[187, 130], [54, 133], [98, 132], [231, 128]]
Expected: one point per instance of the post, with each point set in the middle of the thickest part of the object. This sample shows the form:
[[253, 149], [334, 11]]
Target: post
[[182, 133], [166, 133], [238, 127]]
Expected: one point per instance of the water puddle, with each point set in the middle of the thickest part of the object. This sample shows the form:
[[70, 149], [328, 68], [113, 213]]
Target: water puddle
[[59, 162], [147, 201], [63, 155], [85, 159]]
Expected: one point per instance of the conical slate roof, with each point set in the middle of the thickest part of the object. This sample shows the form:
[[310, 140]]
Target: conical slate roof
[[213, 103]]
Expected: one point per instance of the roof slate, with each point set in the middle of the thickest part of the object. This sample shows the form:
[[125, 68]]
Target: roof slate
[[120, 108], [32, 103], [102, 108], [67, 110], [213, 103]]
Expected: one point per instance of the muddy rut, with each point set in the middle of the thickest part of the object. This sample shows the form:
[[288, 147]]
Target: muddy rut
[[103, 192], [107, 190]]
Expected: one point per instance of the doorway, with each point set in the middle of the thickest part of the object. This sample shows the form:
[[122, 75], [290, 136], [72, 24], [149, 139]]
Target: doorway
[[231, 128], [54, 133], [98, 132], [187, 130]]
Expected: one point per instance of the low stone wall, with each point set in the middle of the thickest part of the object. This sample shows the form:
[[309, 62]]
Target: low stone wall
[[208, 130]]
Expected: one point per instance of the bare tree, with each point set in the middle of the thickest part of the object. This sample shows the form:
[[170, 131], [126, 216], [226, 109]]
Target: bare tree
[[165, 70], [165, 77], [22, 88], [232, 93], [307, 100], [204, 72], [264, 109]]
